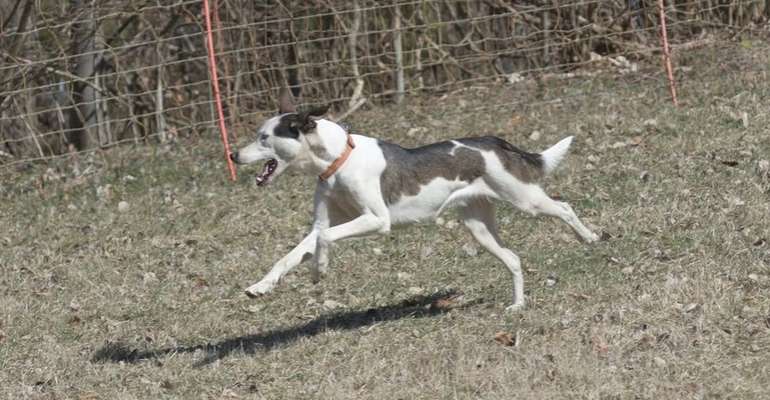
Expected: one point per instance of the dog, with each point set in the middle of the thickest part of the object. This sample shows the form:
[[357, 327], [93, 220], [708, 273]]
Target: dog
[[366, 186]]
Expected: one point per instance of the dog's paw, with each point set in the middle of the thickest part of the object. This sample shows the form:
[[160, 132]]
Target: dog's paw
[[259, 289], [514, 308], [316, 276], [592, 237]]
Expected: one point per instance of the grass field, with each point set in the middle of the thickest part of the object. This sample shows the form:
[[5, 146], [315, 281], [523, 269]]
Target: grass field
[[125, 280]]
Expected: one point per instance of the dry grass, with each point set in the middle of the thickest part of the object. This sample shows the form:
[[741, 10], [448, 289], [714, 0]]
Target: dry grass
[[147, 303]]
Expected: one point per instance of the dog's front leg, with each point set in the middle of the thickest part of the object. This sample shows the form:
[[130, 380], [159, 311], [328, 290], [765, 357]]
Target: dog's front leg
[[303, 252], [318, 269], [365, 224]]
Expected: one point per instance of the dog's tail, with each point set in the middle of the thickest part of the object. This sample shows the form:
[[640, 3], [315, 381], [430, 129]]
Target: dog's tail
[[553, 156]]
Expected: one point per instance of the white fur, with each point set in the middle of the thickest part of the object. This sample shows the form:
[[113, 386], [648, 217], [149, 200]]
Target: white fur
[[350, 203], [553, 156]]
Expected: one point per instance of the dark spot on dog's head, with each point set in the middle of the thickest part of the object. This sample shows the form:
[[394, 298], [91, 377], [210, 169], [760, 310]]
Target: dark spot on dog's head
[[288, 126], [292, 124]]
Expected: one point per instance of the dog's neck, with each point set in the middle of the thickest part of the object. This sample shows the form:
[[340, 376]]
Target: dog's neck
[[325, 145]]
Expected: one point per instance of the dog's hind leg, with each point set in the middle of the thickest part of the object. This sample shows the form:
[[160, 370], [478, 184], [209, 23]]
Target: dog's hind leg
[[534, 201], [479, 216]]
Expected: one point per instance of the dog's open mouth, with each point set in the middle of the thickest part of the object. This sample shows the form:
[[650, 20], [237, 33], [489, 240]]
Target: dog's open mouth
[[267, 171]]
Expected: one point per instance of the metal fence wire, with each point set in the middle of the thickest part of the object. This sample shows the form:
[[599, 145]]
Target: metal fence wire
[[82, 75]]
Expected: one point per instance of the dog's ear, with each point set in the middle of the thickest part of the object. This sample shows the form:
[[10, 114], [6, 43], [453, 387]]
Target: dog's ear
[[285, 104], [307, 118], [318, 111]]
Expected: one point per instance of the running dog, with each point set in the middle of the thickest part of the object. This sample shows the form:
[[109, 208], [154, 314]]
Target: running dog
[[366, 185]]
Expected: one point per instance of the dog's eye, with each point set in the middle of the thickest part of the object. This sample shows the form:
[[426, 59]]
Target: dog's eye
[[263, 138]]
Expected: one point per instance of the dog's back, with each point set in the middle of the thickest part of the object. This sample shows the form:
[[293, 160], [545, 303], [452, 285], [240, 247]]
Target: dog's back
[[418, 183]]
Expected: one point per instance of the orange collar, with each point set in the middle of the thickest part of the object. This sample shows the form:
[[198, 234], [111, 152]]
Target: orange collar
[[336, 164]]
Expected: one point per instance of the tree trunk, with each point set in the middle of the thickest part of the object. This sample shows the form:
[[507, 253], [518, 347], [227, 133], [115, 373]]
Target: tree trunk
[[83, 124], [21, 27], [767, 9]]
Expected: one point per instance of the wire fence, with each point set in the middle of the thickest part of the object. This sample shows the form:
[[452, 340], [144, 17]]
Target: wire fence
[[83, 75]]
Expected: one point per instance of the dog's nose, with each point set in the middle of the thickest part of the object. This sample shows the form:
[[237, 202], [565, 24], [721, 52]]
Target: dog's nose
[[234, 157]]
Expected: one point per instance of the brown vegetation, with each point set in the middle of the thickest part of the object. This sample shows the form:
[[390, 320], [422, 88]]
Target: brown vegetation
[[93, 74]]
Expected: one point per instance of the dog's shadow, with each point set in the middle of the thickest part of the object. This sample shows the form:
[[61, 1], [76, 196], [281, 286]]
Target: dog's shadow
[[415, 307]]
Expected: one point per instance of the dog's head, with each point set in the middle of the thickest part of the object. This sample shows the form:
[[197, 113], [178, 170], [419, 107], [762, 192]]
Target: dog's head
[[281, 140]]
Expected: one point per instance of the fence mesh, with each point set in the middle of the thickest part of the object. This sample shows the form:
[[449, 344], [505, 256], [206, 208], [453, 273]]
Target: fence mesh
[[82, 75]]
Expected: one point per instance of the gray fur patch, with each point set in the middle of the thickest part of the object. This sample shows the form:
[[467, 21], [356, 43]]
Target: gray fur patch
[[526, 167], [409, 169]]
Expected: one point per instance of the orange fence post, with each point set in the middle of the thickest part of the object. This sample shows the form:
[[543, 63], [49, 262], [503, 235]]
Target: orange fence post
[[215, 85], [666, 52]]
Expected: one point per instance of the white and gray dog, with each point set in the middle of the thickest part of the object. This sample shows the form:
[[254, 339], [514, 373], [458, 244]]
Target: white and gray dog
[[366, 185]]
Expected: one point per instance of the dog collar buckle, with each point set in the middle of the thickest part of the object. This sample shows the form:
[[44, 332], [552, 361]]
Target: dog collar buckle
[[336, 164]]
